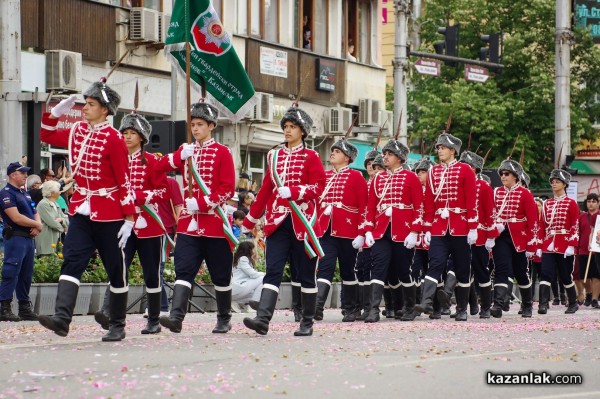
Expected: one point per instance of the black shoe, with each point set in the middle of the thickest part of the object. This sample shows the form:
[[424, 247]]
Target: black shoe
[[172, 324], [526, 302], [179, 304], [556, 301], [296, 302], [66, 297], [462, 299], [484, 313], [26, 311], [152, 327], [6, 313], [253, 305], [573, 305], [594, 304], [428, 290], [588, 300], [376, 295], [322, 293], [410, 297], [55, 324], [351, 307], [102, 319], [544, 297]]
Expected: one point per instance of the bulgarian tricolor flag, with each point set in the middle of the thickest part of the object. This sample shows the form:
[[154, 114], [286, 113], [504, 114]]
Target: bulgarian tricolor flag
[[214, 62]]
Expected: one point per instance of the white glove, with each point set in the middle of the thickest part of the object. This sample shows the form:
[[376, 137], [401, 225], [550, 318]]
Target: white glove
[[369, 240], [191, 204], [551, 247], [427, 238], [570, 251], [284, 192], [124, 233], [411, 240], [388, 211], [64, 106], [358, 242], [187, 151], [472, 236], [500, 227], [529, 255], [245, 230], [328, 210], [489, 244], [538, 253]]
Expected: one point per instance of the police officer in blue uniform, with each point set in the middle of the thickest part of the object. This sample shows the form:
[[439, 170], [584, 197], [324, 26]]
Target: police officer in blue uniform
[[21, 224]]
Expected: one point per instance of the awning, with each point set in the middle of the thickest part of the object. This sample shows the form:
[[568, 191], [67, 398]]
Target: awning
[[586, 167]]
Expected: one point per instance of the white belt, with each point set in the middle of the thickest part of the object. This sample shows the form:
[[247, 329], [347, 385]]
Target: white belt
[[511, 220], [103, 192], [561, 231], [455, 210], [340, 206]]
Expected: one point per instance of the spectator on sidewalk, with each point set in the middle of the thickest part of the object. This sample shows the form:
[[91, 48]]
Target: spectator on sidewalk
[[247, 281]]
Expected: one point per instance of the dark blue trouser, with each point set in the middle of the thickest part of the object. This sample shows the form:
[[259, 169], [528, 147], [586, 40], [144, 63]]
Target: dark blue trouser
[[363, 265], [392, 261], [551, 263], [191, 251], [420, 264], [17, 269], [441, 248], [83, 238], [337, 248], [480, 259], [149, 251], [164, 298], [508, 262], [283, 245]]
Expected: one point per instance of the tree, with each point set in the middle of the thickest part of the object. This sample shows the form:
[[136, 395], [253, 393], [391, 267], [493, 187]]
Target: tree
[[515, 106]]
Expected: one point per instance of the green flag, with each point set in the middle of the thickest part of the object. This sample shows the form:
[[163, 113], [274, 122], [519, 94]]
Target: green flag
[[214, 62]]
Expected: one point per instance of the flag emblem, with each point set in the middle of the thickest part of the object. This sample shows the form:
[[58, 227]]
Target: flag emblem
[[209, 35]]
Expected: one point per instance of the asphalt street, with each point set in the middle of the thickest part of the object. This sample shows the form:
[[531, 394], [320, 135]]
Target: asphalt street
[[420, 359]]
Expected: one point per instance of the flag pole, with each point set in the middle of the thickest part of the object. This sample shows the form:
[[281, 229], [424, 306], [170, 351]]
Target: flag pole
[[188, 96]]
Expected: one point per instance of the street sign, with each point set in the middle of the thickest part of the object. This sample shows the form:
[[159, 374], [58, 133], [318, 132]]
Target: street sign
[[476, 73], [428, 67]]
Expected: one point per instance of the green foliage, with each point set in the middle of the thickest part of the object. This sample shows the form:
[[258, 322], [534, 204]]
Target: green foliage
[[46, 269], [519, 102]]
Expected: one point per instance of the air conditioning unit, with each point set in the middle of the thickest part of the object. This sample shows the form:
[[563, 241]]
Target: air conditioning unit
[[385, 115], [144, 25], [368, 112], [338, 120], [263, 110], [63, 70], [163, 27]]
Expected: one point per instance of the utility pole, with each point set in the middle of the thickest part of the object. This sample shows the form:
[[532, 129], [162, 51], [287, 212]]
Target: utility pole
[[415, 37], [400, 67], [11, 126], [562, 114]]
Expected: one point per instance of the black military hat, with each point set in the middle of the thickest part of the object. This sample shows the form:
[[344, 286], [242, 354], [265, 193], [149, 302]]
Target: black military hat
[[370, 156], [450, 141], [512, 166], [561, 175], [472, 159]]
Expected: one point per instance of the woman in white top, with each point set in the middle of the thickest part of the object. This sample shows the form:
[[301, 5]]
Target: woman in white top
[[246, 282]]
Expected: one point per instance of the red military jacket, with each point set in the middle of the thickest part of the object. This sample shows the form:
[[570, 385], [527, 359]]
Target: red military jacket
[[450, 192], [420, 241], [98, 158], [399, 192], [301, 170], [517, 210], [149, 187], [343, 203], [214, 164], [484, 200], [560, 218]]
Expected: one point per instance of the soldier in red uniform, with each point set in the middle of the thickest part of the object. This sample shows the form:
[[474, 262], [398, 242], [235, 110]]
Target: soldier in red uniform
[[363, 260], [394, 222], [149, 188], [516, 220], [341, 207], [486, 234], [450, 223], [560, 236], [203, 229], [289, 195], [102, 207]]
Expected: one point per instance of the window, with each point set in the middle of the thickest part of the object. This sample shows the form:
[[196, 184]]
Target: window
[[271, 21], [242, 17], [254, 163], [249, 15], [361, 29], [153, 4], [321, 15]]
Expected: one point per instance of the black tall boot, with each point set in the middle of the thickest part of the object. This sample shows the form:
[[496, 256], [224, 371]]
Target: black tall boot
[[376, 295], [360, 299], [103, 314], [462, 299], [322, 293], [297, 302], [26, 311], [572, 295], [508, 296], [350, 302], [499, 296], [366, 302], [264, 313], [544, 297], [410, 297], [118, 313], [398, 302], [526, 302], [153, 325], [6, 313], [388, 301], [429, 290], [486, 301], [437, 309], [309, 308], [445, 295], [179, 306], [66, 297], [473, 301], [223, 312]]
